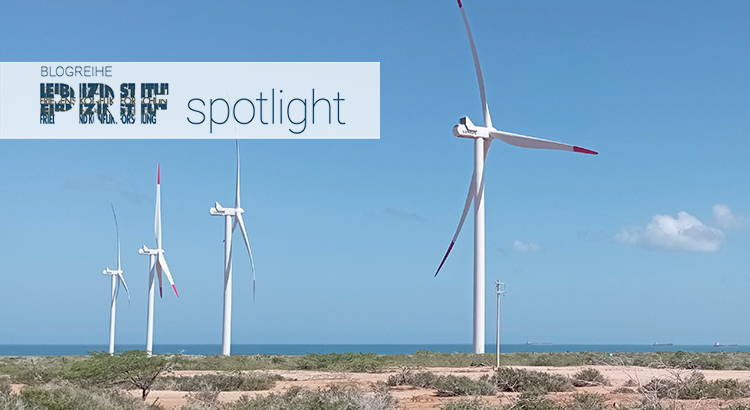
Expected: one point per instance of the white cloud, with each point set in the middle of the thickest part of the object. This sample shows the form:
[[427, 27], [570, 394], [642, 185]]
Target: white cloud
[[520, 246], [685, 232], [728, 220]]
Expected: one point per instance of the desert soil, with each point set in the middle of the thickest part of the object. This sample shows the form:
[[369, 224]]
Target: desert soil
[[421, 399]]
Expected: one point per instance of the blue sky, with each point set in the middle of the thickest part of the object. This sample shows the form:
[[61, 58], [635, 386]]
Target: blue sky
[[347, 234]]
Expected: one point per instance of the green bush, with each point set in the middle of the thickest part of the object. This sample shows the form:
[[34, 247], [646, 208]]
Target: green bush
[[202, 400], [333, 398], [353, 362], [232, 363], [518, 380], [407, 377], [235, 381], [4, 386], [12, 402], [446, 386], [133, 368], [451, 385], [534, 401], [587, 401], [589, 377], [736, 407], [696, 387], [623, 390], [70, 397], [468, 405], [32, 370]]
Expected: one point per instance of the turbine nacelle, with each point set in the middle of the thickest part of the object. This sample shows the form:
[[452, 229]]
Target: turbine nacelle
[[109, 271], [467, 129], [219, 210], [147, 251]]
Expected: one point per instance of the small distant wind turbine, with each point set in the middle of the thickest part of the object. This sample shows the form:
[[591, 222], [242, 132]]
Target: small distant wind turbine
[[466, 129], [229, 227], [116, 280], [157, 263]]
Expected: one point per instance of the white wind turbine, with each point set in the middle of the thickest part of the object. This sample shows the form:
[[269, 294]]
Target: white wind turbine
[[229, 227], [483, 136], [156, 263], [116, 280]]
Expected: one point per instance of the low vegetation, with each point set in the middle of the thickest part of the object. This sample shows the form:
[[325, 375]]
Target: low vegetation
[[132, 369], [695, 387], [70, 397], [520, 380], [468, 405], [37, 370], [333, 398], [4, 386], [586, 401], [445, 386], [235, 381], [589, 377], [99, 381]]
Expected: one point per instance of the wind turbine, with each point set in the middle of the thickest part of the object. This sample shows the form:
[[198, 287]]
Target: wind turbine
[[116, 280], [229, 227], [156, 263], [483, 136]]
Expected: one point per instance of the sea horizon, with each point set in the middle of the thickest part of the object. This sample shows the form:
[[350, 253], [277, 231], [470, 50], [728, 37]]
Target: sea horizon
[[381, 349]]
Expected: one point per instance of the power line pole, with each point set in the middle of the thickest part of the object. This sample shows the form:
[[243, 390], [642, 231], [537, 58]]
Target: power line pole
[[500, 291]]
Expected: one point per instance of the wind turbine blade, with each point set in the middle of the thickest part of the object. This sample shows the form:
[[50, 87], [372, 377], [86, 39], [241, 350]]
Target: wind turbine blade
[[117, 290], [157, 218], [163, 264], [237, 145], [480, 79], [122, 279], [531, 142], [237, 194], [247, 244], [158, 275], [117, 230], [467, 205]]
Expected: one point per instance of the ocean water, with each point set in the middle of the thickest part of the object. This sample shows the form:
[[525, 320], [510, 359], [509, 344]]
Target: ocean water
[[299, 349]]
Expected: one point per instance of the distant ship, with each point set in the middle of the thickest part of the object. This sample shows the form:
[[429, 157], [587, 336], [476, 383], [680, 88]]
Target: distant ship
[[663, 344], [717, 344], [538, 343]]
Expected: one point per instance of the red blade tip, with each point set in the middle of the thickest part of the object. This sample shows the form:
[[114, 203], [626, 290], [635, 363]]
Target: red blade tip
[[459, 4], [160, 292], [444, 258], [158, 173], [584, 151], [175, 290]]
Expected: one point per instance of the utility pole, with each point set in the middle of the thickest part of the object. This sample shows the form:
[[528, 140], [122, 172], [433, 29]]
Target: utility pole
[[500, 291]]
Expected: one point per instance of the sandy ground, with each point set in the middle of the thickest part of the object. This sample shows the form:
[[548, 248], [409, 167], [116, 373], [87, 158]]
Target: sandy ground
[[421, 399]]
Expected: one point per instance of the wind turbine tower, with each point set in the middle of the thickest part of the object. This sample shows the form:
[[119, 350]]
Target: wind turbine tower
[[232, 219], [117, 278], [482, 137], [157, 264]]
